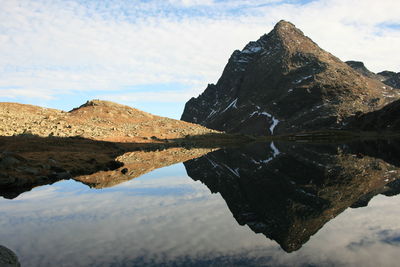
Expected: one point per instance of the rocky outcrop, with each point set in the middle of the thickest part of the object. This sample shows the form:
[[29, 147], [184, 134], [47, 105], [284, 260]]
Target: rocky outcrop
[[360, 68], [8, 258], [284, 83], [288, 191], [389, 78]]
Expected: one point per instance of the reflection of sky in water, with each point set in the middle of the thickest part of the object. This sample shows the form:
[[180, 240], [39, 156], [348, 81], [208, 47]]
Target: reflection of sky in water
[[166, 217]]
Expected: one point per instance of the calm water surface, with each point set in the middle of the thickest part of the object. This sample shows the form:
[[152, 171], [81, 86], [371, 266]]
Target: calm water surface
[[260, 205]]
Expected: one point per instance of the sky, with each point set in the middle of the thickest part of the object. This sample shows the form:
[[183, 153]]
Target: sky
[[156, 54]]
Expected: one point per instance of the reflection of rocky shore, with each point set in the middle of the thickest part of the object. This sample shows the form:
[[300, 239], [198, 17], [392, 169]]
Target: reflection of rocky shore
[[8, 258], [138, 163], [288, 191], [27, 162]]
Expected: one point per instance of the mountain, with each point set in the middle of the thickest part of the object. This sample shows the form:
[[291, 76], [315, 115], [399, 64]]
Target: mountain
[[390, 78], [289, 191], [30, 161], [285, 83], [138, 163], [96, 119]]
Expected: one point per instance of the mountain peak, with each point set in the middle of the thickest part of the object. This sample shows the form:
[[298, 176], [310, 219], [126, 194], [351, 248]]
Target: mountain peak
[[284, 83], [292, 39], [284, 25], [288, 29]]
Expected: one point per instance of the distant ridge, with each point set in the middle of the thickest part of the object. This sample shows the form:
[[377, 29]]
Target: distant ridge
[[390, 78]]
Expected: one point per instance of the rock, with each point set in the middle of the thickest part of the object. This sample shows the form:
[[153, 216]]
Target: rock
[[8, 258], [112, 165]]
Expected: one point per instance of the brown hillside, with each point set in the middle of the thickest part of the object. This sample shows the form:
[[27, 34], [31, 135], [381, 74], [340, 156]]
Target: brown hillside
[[99, 120]]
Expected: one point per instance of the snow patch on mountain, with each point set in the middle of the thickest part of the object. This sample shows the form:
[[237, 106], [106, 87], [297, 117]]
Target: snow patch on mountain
[[232, 104], [275, 121], [274, 149], [302, 79]]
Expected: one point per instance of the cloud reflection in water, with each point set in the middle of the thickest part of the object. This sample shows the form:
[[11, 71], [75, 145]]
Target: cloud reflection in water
[[167, 218]]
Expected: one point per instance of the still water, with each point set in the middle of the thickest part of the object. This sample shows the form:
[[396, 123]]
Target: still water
[[273, 204]]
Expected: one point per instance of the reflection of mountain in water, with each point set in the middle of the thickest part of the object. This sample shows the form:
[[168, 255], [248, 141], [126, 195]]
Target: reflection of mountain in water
[[28, 162], [137, 163], [288, 191]]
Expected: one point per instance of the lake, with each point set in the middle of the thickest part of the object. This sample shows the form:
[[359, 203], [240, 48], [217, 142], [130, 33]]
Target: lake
[[263, 204]]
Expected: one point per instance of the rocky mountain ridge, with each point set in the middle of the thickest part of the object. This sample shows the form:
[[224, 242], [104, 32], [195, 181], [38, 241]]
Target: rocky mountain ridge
[[284, 83], [389, 78]]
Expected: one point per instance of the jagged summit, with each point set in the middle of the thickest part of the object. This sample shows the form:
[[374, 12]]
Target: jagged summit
[[91, 104], [282, 83], [284, 24], [98, 102], [289, 35], [287, 31]]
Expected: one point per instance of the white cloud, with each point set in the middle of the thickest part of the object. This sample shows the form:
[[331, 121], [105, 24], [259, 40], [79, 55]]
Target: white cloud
[[163, 96], [51, 48], [192, 2], [15, 93]]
